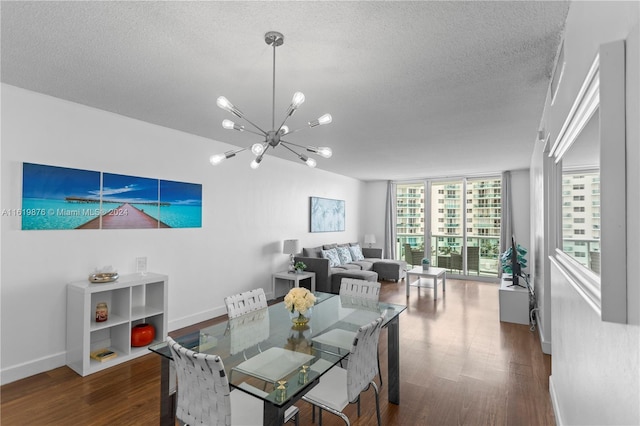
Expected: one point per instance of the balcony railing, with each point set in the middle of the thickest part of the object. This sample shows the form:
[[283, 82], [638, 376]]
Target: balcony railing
[[441, 251]]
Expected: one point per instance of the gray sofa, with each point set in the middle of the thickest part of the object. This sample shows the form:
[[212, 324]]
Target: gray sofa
[[371, 268]]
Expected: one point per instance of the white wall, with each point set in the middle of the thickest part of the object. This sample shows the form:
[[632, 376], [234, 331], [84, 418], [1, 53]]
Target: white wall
[[596, 365], [246, 216], [520, 209]]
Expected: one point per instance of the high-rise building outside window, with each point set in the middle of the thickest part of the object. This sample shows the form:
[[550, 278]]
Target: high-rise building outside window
[[465, 217]]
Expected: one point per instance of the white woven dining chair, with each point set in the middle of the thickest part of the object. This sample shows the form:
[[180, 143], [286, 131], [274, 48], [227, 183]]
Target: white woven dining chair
[[359, 294], [340, 387], [360, 288], [204, 396], [248, 330], [248, 301]]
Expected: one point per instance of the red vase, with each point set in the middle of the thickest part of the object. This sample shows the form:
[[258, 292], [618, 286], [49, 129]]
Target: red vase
[[142, 335]]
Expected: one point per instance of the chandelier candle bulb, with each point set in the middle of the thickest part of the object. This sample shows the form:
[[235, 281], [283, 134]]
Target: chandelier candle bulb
[[257, 148], [298, 99], [230, 125], [325, 119], [255, 163]]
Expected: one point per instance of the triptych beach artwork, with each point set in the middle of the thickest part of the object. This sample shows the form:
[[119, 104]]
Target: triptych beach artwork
[[64, 198]]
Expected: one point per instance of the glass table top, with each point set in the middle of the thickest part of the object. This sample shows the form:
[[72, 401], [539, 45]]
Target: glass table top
[[268, 356]]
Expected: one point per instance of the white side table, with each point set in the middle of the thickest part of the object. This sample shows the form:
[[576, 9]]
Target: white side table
[[294, 277], [432, 272], [514, 302]]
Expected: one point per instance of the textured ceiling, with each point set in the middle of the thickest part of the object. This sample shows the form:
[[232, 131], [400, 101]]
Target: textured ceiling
[[415, 88]]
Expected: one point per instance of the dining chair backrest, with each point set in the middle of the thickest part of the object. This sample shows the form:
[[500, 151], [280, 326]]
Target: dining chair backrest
[[248, 301], [203, 387], [360, 288], [363, 359], [248, 330]]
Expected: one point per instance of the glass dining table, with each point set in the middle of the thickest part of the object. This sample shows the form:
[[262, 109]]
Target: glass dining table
[[266, 355]]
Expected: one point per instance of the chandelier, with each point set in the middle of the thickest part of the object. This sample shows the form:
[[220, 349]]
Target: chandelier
[[273, 137]]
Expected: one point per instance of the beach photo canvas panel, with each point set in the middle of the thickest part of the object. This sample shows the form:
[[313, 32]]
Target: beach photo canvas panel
[[180, 204], [58, 198], [130, 202]]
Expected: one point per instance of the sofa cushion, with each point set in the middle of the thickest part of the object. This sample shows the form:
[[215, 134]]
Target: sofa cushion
[[365, 265], [332, 256], [344, 254], [349, 267], [329, 246], [356, 252], [312, 251]]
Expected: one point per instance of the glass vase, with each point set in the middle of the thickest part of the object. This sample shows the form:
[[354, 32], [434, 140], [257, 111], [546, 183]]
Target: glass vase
[[299, 318]]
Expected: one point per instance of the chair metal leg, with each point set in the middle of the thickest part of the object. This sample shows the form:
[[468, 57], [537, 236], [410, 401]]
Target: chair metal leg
[[380, 372], [375, 388]]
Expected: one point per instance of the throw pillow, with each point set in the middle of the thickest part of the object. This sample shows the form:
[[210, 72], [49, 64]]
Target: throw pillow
[[356, 252], [344, 254], [332, 255]]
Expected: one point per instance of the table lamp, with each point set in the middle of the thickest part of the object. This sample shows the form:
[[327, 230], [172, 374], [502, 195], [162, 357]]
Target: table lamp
[[369, 239], [291, 247]]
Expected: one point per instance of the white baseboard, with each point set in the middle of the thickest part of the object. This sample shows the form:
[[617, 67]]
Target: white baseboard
[[196, 318], [544, 342], [555, 403], [37, 366]]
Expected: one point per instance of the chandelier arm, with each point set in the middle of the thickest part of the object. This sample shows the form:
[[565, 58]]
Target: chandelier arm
[[291, 143], [284, 121], [255, 133], [236, 151], [263, 133], [285, 145]]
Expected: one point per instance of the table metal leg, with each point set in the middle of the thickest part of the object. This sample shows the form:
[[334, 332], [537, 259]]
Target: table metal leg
[[273, 415], [167, 394], [393, 360]]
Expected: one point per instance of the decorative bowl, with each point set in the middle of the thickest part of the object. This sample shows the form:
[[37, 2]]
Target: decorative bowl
[[103, 277], [142, 335]]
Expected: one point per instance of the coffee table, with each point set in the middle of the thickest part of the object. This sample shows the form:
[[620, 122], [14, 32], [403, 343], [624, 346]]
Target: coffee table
[[432, 272]]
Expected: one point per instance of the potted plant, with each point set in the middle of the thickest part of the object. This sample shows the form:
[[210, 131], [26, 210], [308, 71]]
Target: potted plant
[[299, 267]]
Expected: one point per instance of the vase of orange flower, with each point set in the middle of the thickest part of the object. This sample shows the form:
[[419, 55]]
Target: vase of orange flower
[[299, 302]]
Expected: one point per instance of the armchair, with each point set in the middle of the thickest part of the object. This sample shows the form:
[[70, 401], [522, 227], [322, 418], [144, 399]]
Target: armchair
[[473, 260], [413, 256]]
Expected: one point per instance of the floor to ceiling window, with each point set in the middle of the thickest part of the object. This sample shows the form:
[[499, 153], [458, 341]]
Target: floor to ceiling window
[[410, 227], [462, 220]]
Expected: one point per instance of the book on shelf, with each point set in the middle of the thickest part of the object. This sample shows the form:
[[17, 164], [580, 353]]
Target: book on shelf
[[103, 355]]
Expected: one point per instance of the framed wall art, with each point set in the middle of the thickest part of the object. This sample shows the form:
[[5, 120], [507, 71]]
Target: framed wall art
[[326, 215]]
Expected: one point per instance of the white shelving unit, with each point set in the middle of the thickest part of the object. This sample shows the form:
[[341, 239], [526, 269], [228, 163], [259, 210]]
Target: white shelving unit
[[514, 302], [131, 300]]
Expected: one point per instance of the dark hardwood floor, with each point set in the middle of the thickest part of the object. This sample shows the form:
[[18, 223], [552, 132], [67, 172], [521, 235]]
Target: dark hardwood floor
[[459, 366]]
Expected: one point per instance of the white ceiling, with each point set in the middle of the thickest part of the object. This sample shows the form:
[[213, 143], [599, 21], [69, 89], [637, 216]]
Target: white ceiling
[[415, 88]]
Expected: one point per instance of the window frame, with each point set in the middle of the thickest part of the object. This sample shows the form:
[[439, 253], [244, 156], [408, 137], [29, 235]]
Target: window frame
[[602, 92]]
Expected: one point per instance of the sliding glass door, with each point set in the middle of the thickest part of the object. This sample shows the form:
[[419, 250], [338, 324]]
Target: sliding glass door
[[460, 218], [447, 224]]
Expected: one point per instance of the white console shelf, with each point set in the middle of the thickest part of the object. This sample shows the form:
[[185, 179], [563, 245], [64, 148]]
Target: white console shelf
[[131, 300], [514, 302]]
